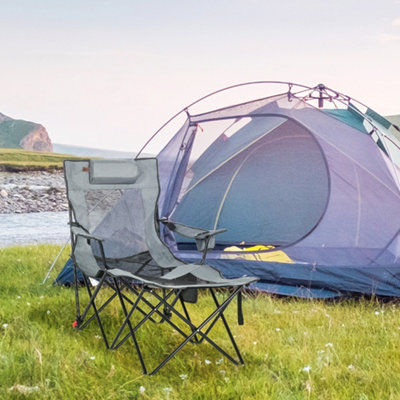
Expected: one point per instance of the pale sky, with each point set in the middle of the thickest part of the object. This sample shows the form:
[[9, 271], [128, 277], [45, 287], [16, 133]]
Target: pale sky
[[108, 73]]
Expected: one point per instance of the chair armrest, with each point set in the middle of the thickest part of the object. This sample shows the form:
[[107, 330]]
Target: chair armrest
[[191, 232], [181, 229], [81, 232], [206, 234], [205, 238], [78, 231]]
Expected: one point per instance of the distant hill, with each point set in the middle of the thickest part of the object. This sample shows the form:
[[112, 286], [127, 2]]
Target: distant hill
[[20, 134], [90, 152]]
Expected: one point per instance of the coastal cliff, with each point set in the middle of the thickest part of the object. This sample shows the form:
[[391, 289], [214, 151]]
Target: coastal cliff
[[20, 134]]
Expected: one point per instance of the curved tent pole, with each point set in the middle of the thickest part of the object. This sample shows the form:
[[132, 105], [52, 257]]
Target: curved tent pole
[[323, 93], [185, 109], [320, 88]]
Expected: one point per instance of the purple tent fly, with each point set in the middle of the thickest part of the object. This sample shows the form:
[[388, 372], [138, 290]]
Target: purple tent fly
[[306, 182]]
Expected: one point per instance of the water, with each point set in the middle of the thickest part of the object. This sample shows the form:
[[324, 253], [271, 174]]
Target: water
[[33, 228]]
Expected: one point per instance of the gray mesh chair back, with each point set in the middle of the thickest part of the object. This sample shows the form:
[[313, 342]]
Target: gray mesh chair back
[[116, 201]]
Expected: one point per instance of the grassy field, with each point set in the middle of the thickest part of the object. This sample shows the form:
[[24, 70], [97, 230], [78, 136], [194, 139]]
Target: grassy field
[[17, 159], [294, 349]]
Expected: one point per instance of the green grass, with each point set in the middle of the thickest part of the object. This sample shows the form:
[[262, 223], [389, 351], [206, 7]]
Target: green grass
[[16, 159], [294, 349]]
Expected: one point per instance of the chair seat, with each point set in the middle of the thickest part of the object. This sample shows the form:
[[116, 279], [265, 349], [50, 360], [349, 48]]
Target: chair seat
[[186, 276]]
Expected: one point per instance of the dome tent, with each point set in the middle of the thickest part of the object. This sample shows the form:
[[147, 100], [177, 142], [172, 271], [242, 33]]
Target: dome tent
[[309, 171]]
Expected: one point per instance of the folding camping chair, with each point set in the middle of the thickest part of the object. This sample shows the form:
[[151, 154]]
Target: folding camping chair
[[115, 238]]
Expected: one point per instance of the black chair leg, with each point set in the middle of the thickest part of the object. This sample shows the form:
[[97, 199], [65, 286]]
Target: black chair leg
[[228, 330], [127, 316], [91, 303], [195, 330]]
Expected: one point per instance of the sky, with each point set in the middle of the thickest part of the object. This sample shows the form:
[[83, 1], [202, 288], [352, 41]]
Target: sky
[[109, 73]]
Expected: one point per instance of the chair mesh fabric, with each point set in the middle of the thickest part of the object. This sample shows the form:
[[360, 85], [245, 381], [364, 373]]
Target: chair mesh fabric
[[123, 215]]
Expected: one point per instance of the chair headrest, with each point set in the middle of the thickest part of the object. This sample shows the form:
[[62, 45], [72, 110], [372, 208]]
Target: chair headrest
[[112, 171]]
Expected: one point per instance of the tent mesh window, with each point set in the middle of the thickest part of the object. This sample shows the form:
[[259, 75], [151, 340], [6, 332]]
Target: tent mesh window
[[233, 174]]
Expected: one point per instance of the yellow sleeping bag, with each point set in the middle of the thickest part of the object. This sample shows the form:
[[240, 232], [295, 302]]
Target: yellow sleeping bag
[[257, 253]]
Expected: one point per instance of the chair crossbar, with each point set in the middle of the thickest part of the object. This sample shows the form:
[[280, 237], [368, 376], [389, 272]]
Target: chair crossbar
[[82, 321], [155, 309], [195, 329]]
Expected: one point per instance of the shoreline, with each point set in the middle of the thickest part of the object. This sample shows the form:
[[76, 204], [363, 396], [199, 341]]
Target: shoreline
[[32, 191], [15, 168]]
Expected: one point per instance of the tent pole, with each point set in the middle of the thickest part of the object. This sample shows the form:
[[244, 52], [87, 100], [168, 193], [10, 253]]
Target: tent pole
[[54, 262]]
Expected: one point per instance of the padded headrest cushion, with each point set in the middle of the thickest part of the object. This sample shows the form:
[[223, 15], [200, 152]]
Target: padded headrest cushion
[[118, 171]]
